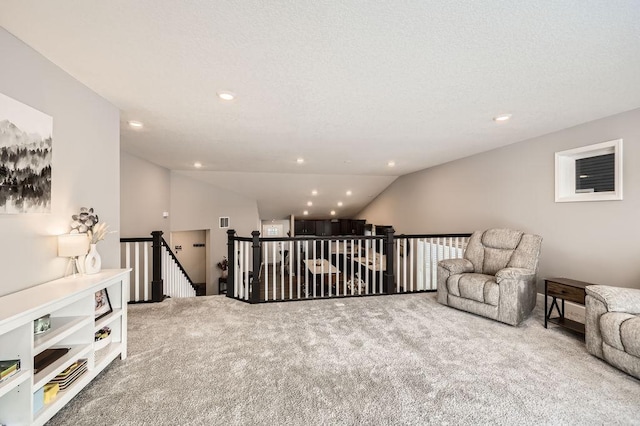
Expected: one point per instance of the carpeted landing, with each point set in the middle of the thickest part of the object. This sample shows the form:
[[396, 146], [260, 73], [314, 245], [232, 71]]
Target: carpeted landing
[[401, 359]]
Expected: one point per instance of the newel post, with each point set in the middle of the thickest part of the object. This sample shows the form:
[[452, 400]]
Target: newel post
[[231, 258], [389, 275], [255, 279], [157, 285]]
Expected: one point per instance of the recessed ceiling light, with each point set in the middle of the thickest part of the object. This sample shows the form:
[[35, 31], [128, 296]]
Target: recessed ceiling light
[[306, 212], [348, 193], [226, 96], [339, 203], [391, 163], [135, 124], [584, 176], [197, 165], [502, 117], [300, 160], [309, 203], [314, 192], [333, 212]]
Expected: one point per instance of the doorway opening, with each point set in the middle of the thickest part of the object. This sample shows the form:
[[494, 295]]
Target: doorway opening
[[190, 247]]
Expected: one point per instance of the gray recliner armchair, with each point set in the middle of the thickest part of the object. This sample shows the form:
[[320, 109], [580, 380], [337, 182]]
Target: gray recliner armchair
[[613, 326], [496, 278]]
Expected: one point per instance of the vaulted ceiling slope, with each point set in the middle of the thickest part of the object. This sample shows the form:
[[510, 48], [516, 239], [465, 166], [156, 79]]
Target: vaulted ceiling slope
[[348, 86]]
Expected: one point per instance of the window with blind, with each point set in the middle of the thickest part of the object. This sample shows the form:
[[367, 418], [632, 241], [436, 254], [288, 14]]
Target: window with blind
[[590, 173], [596, 174]]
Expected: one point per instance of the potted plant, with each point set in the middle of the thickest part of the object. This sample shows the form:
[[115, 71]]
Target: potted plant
[[223, 265]]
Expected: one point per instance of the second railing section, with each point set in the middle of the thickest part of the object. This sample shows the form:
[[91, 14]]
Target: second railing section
[[282, 269]]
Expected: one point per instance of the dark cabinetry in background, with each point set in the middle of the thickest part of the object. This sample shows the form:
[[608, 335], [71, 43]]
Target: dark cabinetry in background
[[328, 227], [305, 227], [352, 227], [323, 228]]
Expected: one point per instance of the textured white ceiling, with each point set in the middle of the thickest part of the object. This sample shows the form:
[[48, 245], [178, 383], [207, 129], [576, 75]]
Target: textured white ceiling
[[347, 85]]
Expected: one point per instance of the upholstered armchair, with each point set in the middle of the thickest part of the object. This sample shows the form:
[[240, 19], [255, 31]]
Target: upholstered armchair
[[496, 278], [613, 326]]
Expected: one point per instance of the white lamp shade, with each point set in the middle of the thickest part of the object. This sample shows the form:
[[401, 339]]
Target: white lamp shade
[[72, 245]]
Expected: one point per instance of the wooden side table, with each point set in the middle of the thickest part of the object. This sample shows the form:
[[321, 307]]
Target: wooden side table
[[563, 289]]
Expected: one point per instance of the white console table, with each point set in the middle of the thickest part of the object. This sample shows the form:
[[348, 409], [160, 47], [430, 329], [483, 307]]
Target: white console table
[[70, 302]]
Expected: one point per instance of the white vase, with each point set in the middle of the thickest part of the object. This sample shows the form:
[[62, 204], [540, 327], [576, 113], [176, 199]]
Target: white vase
[[93, 262]]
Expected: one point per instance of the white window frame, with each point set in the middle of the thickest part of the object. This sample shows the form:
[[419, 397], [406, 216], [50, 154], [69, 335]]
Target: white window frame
[[566, 172]]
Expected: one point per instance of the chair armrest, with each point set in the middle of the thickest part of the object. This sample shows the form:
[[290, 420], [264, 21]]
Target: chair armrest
[[616, 299], [514, 274], [456, 266]]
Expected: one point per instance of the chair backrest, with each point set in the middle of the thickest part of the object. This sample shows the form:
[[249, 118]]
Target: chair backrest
[[495, 249]]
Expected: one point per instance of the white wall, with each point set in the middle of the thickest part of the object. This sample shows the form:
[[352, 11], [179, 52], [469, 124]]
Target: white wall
[[513, 186], [283, 226], [85, 167], [148, 190], [144, 195], [197, 205]]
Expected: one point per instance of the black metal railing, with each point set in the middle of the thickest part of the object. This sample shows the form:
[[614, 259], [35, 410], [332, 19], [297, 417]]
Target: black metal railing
[[151, 276], [282, 269]]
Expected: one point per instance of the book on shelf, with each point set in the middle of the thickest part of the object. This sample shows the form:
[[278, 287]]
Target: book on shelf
[[8, 368], [70, 374], [48, 357]]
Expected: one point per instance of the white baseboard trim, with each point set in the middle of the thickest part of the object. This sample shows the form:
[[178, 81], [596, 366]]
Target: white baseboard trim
[[571, 310]]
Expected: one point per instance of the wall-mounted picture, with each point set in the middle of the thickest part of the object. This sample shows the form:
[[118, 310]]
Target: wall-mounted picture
[[103, 304], [25, 158]]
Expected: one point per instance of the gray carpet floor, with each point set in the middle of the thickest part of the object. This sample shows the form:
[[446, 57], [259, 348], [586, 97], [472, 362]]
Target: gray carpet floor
[[401, 359]]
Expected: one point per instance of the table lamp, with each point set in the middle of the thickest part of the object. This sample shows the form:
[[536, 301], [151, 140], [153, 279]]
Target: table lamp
[[72, 246]]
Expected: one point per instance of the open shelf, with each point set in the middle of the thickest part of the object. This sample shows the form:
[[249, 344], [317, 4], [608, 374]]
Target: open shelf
[[62, 398], [108, 319], [51, 371], [572, 325], [14, 381], [107, 354], [61, 327], [69, 301]]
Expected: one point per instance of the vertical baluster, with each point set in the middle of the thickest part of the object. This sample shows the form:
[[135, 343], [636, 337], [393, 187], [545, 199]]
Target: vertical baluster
[[322, 269], [273, 256], [281, 246], [145, 272], [241, 277], [353, 267], [439, 255], [396, 266], [359, 267], [407, 253], [298, 260], [266, 270], [306, 268], [136, 250], [165, 274], [248, 259], [238, 271], [290, 269], [381, 265], [452, 249], [127, 264], [375, 257], [315, 257], [419, 256], [366, 267], [344, 267], [427, 263]]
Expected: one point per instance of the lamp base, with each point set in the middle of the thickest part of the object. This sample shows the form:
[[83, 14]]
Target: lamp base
[[73, 267]]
